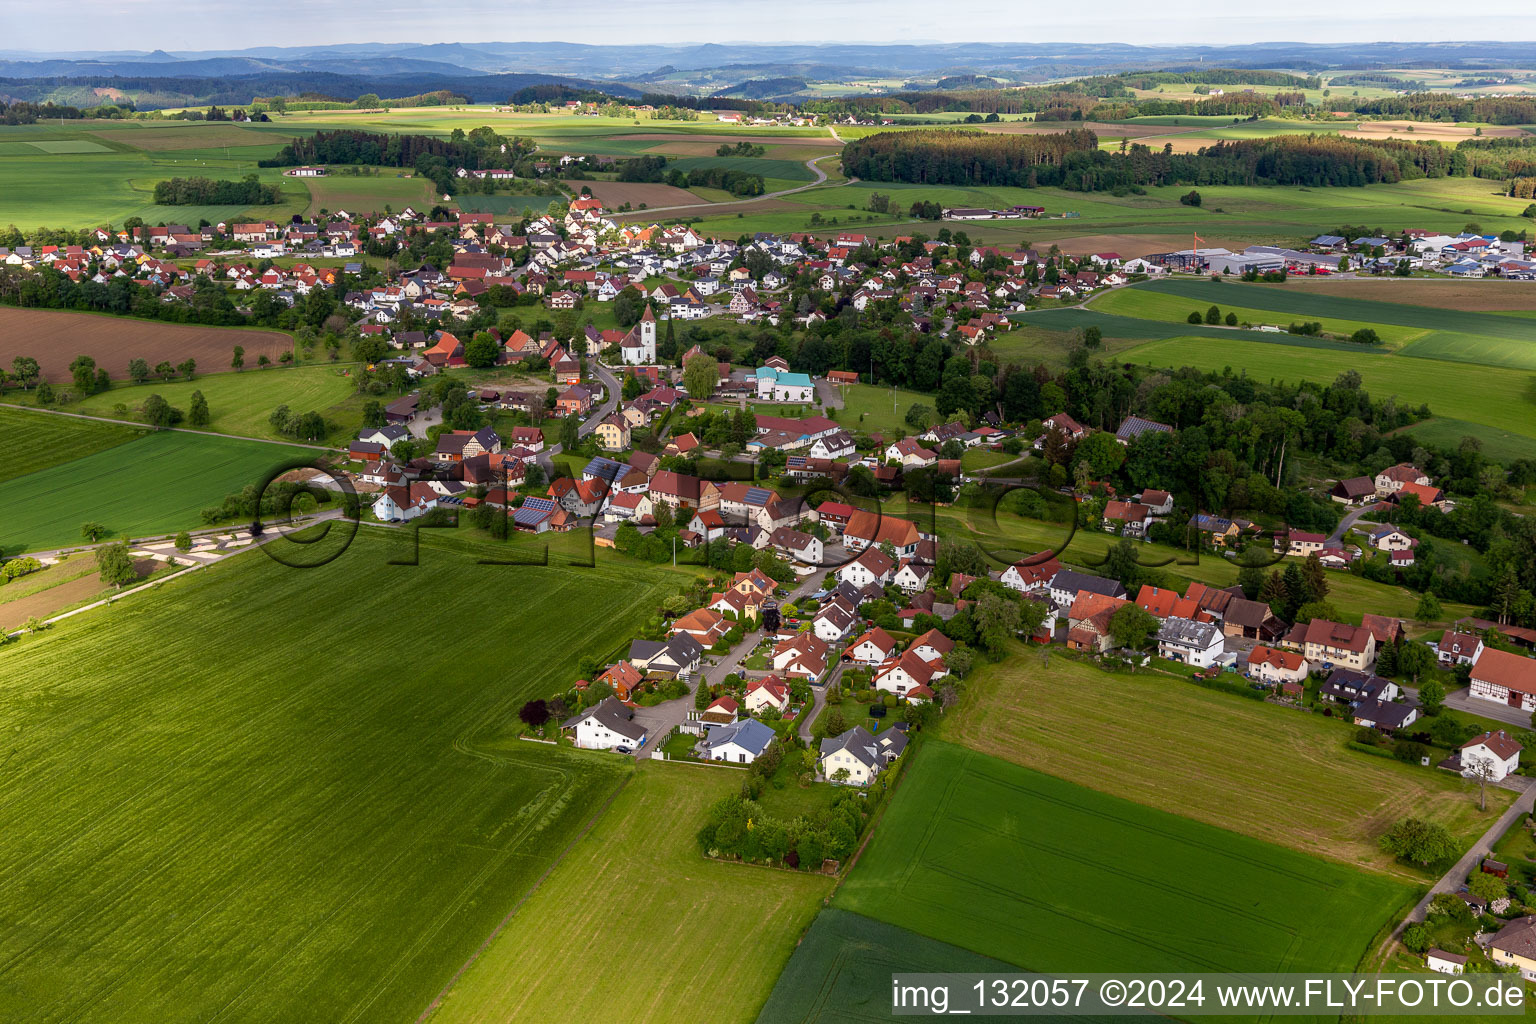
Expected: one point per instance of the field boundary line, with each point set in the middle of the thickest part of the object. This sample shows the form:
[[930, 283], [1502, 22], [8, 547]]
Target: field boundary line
[[169, 430], [597, 815]]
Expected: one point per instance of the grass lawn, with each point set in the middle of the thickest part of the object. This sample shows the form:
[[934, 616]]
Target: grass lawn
[[976, 459], [1444, 432], [876, 409], [1280, 775], [1494, 396], [265, 835], [635, 891], [1040, 872], [31, 441], [240, 403], [155, 484]]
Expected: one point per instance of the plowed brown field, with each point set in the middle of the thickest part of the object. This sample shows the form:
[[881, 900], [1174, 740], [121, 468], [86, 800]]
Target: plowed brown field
[[55, 337]]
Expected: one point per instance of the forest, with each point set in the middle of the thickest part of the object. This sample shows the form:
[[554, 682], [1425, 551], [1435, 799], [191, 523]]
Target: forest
[[476, 150], [1072, 160]]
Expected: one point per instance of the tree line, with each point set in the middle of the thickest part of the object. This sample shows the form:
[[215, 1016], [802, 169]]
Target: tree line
[[249, 191]]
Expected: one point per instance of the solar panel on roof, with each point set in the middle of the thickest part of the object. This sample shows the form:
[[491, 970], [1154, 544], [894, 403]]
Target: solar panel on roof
[[757, 495]]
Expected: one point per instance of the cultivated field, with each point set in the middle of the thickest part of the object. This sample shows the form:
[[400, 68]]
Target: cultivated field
[[1439, 293], [156, 484], [268, 836], [55, 337], [1145, 304], [30, 441], [1045, 874], [1279, 775], [160, 138], [671, 902], [841, 970], [360, 195], [614, 194]]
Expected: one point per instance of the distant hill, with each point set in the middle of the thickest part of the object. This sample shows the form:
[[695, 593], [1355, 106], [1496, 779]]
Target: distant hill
[[765, 88], [150, 92]]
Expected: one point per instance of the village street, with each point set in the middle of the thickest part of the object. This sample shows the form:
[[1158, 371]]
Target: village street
[[661, 719]]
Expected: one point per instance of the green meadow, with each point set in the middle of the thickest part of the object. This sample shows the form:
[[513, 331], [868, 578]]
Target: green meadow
[[1041, 873], [240, 403], [241, 811], [155, 484], [33, 441], [1493, 396]]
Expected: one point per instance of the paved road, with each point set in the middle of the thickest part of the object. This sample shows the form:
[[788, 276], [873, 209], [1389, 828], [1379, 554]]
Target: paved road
[[1453, 879], [611, 402], [1462, 700], [177, 430], [1349, 520]]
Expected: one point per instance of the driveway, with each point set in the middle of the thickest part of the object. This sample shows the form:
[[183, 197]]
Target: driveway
[[1462, 700], [1349, 520]]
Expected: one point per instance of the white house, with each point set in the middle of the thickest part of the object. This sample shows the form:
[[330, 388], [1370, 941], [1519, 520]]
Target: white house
[[873, 566], [906, 673], [606, 725], [1495, 750], [767, 693], [833, 623], [837, 446], [739, 743], [856, 757], [913, 576], [1193, 643], [872, 648], [1445, 963]]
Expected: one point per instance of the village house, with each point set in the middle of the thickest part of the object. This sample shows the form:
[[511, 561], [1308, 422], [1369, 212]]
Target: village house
[[872, 648], [803, 655], [1276, 667], [1333, 644], [738, 743], [1190, 642], [871, 566], [901, 675], [1492, 755], [607, 725], [705, 625], [767, 694], [855, 757], [1032, 573], [1391, 480], [1458, 649], [1505, 679]]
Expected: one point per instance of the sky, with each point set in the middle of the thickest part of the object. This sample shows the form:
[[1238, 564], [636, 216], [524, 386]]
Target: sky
[[57, 26]]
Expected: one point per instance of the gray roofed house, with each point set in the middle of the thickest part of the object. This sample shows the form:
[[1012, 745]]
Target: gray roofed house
[[1066, 584], [1383, 714], [740, 742], [607, 724], [861, 754], [678, 655]]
